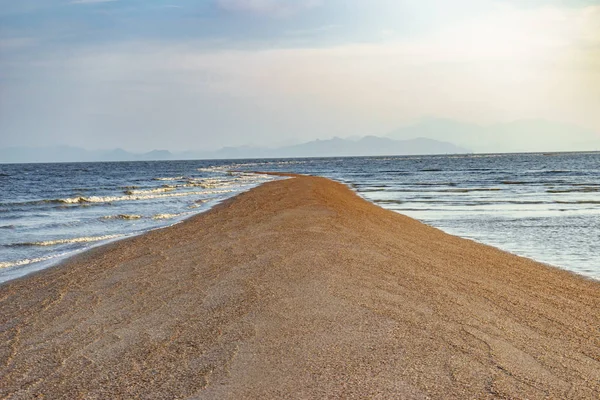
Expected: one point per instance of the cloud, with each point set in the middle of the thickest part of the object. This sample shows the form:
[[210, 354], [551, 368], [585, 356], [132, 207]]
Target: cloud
[[504, 64], [277, 8], [312, 31], [510, 65]]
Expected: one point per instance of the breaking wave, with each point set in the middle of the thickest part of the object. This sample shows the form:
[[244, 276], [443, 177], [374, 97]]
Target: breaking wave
[[132, 197], [132, 192], [18, 263], [123, 216], [85, 239], [173, 178], [576, 190], [167, 216]]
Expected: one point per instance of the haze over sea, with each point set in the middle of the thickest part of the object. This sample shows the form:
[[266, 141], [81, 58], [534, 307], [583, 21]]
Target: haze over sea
[[542, 206]]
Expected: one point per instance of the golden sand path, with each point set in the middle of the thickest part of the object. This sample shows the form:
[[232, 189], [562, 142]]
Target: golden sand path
[[300, 289]]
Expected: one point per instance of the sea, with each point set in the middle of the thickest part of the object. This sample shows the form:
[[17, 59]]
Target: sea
[[542, 206]]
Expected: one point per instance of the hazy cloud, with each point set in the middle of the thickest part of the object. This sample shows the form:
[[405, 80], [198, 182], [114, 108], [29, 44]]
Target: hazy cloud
[[268, 7], [142, 77]]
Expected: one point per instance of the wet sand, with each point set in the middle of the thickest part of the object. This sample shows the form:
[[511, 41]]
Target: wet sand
[[300, 289]]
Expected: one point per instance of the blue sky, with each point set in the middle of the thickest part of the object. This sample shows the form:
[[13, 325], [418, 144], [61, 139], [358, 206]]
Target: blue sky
[[203, 74]]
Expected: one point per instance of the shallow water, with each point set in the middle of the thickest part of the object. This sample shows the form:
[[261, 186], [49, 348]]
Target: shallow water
[[546, 207], [542, 206], [50, 211]]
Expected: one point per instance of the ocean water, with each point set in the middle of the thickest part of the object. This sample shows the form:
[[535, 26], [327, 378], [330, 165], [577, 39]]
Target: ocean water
[[542, 206], [51, 211]]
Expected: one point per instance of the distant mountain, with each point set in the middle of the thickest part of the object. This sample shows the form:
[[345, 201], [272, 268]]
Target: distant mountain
[[336, 147], [369, 146], [518, 136], [75, 154], [428, 136]]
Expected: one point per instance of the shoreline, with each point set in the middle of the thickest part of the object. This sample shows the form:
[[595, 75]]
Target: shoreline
[[31, 268], [300, 288], [59, 260]]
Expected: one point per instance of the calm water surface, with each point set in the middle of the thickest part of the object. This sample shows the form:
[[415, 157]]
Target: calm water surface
[[542, 206]]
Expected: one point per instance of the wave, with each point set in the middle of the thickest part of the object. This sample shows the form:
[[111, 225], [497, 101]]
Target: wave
[[371, 190], [7, 226], [577, 190], [212, 183], [389, 201], [198, 203], [123, 216], [166, 191], [465, 190], [131, 192], [578, 202], [210, 169], [110, 199], [514, 182], [207, 183], [85, 239], [167, 216], [470, 190], [432, 184], [395, 172], [232, 168], [170, 178], [26, 261], [424, 200], [289, 162]]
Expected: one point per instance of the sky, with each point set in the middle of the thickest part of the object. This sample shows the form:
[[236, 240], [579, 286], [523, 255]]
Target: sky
[[182, 74]]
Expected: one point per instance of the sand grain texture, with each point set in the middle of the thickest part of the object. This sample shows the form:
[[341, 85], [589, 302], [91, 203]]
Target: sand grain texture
[[300, 289]]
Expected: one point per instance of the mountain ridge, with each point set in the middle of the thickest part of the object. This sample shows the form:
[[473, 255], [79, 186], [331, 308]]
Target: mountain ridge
[[525, 135], [335, 147], [426, 136]]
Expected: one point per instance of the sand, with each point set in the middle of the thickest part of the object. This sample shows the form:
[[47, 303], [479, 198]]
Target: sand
[[300, 289]]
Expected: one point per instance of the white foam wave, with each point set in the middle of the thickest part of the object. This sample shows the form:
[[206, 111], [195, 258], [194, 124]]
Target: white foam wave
[[172, 178], [238, 179], [230, 167], [167, 216], [85, 239], [149, 196], [18, 263], [148, 191], [123, 216]]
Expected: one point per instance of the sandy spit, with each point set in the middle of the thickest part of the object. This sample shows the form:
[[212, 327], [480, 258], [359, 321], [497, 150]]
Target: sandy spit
[[300, 289]]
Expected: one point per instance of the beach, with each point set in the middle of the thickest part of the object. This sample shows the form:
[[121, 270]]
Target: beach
[[300, 289]]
